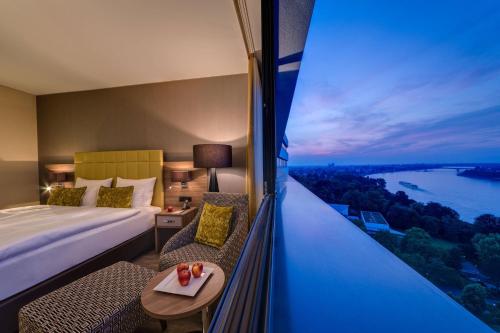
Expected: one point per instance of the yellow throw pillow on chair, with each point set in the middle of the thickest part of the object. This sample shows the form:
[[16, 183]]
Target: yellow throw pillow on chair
[[214, 225]]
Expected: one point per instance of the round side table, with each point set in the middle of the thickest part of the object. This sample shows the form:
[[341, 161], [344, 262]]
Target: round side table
[[164, 306]]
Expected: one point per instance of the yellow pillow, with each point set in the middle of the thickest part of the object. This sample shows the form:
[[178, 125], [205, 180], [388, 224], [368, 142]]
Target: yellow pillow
[[115, 197], [66, 196], [214, 225]]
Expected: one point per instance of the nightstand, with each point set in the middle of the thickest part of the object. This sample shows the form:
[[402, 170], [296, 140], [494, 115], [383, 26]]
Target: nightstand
[[171, 222]]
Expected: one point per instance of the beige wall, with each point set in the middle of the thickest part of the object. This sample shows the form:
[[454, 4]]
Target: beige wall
[[18, 148], [172, 116]]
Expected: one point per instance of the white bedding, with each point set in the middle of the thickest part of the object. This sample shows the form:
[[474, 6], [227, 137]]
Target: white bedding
[[39, 242]]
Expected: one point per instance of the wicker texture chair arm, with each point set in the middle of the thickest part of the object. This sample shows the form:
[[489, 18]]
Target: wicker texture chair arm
[[230, 251], [182, 238]]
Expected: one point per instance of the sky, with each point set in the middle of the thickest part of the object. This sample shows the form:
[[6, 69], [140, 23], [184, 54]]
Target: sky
[[398, 82]]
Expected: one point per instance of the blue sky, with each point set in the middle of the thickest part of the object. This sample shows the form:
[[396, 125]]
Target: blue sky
[[398, 82]]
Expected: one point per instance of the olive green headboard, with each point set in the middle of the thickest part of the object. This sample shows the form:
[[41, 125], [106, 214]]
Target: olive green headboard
[[132, 164]]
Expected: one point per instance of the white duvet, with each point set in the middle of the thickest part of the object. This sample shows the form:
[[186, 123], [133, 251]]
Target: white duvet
[[27, 228]]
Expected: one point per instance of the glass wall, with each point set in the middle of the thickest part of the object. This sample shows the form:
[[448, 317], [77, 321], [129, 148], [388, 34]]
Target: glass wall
[[395, 124]]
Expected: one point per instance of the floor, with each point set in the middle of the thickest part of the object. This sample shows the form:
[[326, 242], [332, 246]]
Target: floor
[[190, 324]]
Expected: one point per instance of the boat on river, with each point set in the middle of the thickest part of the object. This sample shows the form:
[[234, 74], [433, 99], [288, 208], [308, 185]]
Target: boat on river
[[409, 185]]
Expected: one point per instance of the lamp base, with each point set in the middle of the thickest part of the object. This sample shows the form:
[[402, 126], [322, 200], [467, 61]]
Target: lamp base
[[214, 185]]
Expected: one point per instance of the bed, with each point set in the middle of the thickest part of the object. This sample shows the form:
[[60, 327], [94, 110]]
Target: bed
[[45, 247]]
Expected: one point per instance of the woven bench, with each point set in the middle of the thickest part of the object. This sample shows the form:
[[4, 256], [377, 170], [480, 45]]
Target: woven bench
[[108, 300]]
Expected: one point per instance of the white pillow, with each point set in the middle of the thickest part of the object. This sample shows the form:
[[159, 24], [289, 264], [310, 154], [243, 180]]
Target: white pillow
[[143, 190], [93, 186]]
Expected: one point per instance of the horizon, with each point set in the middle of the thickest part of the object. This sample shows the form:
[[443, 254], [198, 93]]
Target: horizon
[[395, 83], [389, 164]]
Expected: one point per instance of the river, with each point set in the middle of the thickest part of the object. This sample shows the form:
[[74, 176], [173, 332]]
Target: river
[[470, 197]]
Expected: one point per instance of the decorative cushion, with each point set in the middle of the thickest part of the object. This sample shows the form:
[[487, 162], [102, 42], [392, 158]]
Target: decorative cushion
[[116, 197], [214, 225], [93, 186], [66, 196]]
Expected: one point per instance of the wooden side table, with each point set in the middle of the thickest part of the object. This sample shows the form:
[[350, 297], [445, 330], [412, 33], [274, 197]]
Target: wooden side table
[[164, 306], [173, 221]]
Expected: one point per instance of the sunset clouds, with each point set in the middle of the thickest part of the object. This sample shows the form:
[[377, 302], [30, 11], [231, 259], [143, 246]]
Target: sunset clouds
[[382, 82]]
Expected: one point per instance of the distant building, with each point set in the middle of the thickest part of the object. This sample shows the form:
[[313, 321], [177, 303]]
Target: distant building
[[374, 221], [342, 209]]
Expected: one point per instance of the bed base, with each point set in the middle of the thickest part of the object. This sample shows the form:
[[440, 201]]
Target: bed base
[[127, 250]]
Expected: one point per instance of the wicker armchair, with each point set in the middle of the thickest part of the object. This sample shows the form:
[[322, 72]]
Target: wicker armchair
[[181, 247]]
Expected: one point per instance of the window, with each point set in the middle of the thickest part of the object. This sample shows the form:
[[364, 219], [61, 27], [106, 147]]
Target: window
[[395, 123]]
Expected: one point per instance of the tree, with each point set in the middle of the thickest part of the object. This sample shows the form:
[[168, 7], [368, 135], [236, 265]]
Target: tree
[[469, 251], [415, 260], [433, 269], [418, 207], [488, 253], [431, 224], [487, 224], [438, 273], [418, 241], [387, 240], [494, 316], [380, 183], [353, 198], [474, 298], [453, 258], [437, 210], [402, 198], [374, 201], [453, 229], [401, 217], [359, 224]]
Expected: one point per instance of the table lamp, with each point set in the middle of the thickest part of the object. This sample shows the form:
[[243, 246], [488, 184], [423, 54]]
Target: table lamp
[[212, 156]]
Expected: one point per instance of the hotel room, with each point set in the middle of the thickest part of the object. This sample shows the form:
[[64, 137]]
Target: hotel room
[[127, 148], [145, 186]]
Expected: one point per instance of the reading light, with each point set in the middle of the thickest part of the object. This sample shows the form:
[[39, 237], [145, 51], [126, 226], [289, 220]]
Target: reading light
[[182, 176], [58, 173], [47, 188]]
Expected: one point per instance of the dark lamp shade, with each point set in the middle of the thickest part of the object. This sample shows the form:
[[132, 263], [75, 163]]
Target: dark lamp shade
[[181, 176], [212, 156]]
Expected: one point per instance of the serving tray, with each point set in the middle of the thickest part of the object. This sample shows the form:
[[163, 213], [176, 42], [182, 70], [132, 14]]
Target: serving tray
[[171, 284]]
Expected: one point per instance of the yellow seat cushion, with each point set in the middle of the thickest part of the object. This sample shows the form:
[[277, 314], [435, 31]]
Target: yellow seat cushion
[[66, 196], [214, 225], [115, 197]]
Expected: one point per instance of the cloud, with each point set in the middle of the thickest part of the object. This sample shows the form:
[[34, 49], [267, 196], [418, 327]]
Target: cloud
[[477, 130], [377, 85]]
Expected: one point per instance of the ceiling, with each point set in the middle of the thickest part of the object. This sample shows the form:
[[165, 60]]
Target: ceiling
[[54, 46]]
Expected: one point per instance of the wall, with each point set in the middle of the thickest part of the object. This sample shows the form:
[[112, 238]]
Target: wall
[[172, 116], [18, 148]]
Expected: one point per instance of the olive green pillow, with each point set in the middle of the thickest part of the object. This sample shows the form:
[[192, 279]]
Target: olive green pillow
[[214, 225], [115, 197], [66, 196]]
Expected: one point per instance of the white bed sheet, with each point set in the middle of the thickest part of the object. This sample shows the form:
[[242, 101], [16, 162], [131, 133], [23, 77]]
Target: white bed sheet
[[27, 269]]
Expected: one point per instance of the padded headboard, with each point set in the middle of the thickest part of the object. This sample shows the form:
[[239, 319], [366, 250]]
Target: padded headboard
[[133, 164]]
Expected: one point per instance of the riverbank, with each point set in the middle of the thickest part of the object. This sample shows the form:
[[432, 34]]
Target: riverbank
[[488, 173]]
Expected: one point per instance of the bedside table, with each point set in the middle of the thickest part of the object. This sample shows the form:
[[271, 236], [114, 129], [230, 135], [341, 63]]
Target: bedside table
[[172, 222]]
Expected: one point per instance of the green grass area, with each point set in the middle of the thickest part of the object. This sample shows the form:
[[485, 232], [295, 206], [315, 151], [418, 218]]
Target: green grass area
[[442, 244]]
